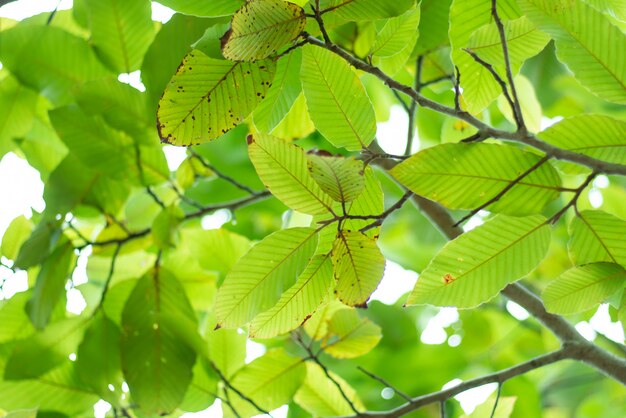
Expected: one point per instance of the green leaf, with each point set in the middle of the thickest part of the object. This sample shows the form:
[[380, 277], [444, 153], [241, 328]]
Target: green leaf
[[98, 358], [59, 390], [531, 108], [597, 136], [433, 27], [202, 389], [582, 288], [45, 350], [597, 236], [270, 381], [282, 94], [504, 408], [321, 397], [283, 168], [474, 267], [341, 178], [464, 176], [121, 32], [260, 277], [227, 350], [317, 326], [260, 28], [354, 336], [49, 59], [365, 9], [50, 285], [165, 227], [215, 249], [17, 112], [16, 234], [208, 97], [336, 99], [38, 245], [298, 302], [157, 364], [204, 8], [467, 17], [398, 33], [358, 267], [15, 322], [23, 413], [586, 42], [297, 123]]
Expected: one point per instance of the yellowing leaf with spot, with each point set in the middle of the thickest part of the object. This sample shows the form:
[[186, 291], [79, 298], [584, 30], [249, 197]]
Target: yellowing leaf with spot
[[298, 302], [354, 336], [207, 97], [340, 177], [283, 169], [261, 276], [260, 28], [474, 267], [358, 265], [336, 99]]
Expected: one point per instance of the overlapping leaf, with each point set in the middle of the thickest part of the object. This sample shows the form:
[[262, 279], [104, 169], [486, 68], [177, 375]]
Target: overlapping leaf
[[340, 177], [156, 362], [474, 267], [358, 267], [121, 31], [582, 288], [261, 276], [365, 9], [208, 97], [283, 168], [397, 34], [597, 236], [336, 99], [17, 111], [204, 8], [586, 41], [354, 336], [298, 302], [598, 136], [260, 28], [464, 176]]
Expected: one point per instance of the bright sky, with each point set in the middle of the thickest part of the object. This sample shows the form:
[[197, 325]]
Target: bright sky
[[24, 189]]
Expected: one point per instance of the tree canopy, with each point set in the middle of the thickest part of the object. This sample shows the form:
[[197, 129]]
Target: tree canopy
[[507, 198]]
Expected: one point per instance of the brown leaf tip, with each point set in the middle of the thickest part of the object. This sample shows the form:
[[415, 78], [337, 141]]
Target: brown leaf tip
[[218, 326], [361, 305]]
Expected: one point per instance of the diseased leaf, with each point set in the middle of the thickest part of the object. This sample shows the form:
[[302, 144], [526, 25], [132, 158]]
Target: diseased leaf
[[208, 97], [336, 99], [283, 169], [464, 176], [358, 267], [474, 267], [260, 28], [341, 178], [586, 41], [354, 336], [597, 236], [298, 302], [157, 364], [582, 288], [260, 277]]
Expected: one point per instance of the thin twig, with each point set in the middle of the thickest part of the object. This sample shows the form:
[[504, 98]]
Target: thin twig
[[154, 197], [496, 77], [457, 89], [495, 404], [504, 190], [237, 391], [222, 175], [385, 383], [107, 283], [555, 218], [417, 86], [317, 14]]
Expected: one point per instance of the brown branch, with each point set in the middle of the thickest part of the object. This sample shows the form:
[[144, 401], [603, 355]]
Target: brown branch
[[237, 391], [221, 175], [574, 200], [107, 282], [411, 112]]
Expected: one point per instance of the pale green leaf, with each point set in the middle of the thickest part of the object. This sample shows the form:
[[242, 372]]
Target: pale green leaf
[[464, 176], [260, 28], [317, 326], [270, 381], [298, 302], [165, 227], [204, 8], [215, 249], [202, 389], [297, 123], [44, 350], [227, 350], [474, 267], [121, 32], [22, 413], [597, 136], [531, 108], [208, 97], [398, 33], [597, 236], [320, 396], [39, 244], [18, 231], [282, 94], [283, 169], [157, 364], [17, 112], [354, 336], [582, 288], [433, 27], [15, 322], [365, 9], [587, 42], [336, 99], [504, 408], [358, 267], [260, 277], [340, 177], [50, 285]]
